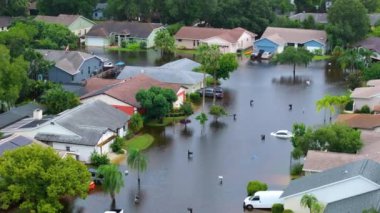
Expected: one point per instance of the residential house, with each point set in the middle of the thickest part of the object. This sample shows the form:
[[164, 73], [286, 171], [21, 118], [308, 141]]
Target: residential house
[[176, 72], [340, 189], [18, 113], [5, 22], [121, 94], [79, 131], [366, 96], [77, 24], [13, 142], [374, 19], [229, 40], [320, 18], [72, 66], [371, 43], [111, 33], [33, 10], [373, 83], [275, 39], [368, 122], [98, 13]]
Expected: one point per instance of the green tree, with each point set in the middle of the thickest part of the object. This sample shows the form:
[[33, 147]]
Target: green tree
[[202, 118], [164, 41], [38, 66], [343, 27], [294, 56], [371, 5], [353, 59], [112, 179], [282, 6], [97, 159], [370, 210], [372, 72], [36, 178], [136, 123], [54, 7], [186, 108], [57, 100], [227, 64], [255, 186], [327, 102], [217, 111], [278, 208], [283, 21], [137, 161], [12, 75], [311, 202], [14, 7], [123, 9], [157, 102]]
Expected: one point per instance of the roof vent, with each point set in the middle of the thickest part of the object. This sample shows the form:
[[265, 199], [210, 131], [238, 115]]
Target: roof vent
[[345, 171], [37, 114], [52, 123]]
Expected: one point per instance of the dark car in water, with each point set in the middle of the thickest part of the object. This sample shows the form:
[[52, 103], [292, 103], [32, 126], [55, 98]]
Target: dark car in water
[[209, 92]]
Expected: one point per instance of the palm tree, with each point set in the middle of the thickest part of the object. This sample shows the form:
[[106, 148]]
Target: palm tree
[[325, 103], [308, 201], [112, 179], [136, 160], [317, 207]]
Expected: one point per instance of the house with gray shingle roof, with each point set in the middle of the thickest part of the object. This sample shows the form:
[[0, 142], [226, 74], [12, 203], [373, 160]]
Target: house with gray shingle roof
[[77, 24], [113, 33], [176, 72], [13, 142], [337, 188], [72, 66], [18, 113], [79, 131], [228, 40], [275, 39], [5, 22]]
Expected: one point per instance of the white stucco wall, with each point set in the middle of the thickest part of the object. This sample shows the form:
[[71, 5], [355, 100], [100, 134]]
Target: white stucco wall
[[150, 39], [84, 152], [186, 43], [371, 102], [348, 188], [245, 41]]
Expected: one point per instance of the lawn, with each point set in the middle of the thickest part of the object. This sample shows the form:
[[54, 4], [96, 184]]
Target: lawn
[[321, 57], [186, 51], [126, 49], [167, 121], [139, 142]]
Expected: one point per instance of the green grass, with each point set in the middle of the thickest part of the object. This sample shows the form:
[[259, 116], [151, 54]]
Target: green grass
[[139, 142], [186, 51], [321, 57], [167, 121], [125, 49]]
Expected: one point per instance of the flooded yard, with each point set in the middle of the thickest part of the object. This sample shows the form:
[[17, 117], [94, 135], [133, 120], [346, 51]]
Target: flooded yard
[[230, 148]]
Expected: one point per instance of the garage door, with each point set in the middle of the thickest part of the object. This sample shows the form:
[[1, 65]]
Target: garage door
[[96, 42]]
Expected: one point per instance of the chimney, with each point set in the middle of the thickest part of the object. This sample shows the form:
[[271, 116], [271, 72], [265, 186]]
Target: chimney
[[37, 114]]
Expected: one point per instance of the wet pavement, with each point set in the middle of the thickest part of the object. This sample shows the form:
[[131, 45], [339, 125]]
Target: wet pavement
[[230, 148]]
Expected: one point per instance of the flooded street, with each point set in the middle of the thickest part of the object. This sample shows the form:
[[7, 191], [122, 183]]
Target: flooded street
[[231, 148]]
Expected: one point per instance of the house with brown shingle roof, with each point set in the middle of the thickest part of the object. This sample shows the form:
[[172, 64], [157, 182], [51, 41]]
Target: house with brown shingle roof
[[77, 24], [111, 33], [369, 96], [275, 39], [360, 121], [121, 93], [229, 40], [5, 22]]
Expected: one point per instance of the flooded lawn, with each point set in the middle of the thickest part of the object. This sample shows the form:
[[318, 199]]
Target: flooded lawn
[[231, 148]]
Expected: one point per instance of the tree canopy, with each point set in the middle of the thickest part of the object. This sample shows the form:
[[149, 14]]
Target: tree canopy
[[13, 72], [14, 7], [294, 56], [112, 179], [217, 111], [136, 123], [56, 7], [57, 100], [345, 28], [164, 41], [333, 137], [37, 178], [156, 101]]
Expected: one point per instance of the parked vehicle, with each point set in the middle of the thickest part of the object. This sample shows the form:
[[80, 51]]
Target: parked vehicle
[[263, 200], [108, 65], [282, 134], [115, 211], [209, 92], [98, 179]]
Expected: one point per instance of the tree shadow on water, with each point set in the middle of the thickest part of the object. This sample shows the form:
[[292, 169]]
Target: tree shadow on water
[[216, 126], [290, 80]]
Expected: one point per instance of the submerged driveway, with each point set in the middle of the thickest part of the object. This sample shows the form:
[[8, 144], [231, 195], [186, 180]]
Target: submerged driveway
[[231, 148]]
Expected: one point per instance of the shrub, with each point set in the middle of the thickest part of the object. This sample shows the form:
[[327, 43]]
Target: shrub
[[277, 208], [210, 81], [195, 97], [99, 159], [186, 108], [133, 46], [143, 45], [297, 153], [136, 123], [255, 186], [365, 109], [173, 28], [288, 211], [124, 44], [296, 169], [349, 106], [117, 145]]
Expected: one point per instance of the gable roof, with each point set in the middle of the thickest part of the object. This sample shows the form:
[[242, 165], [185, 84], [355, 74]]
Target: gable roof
[[364, 168], [94, 84], [360, 121], [182, 64], [88, 122], [18, 113], [126, 90], [373, 83], [371, 43], [293, 35], [62, 19], [68, 61], [318, 17], [13, 142], [134, 29], [201, 33], [356, 203], [365, 92], [5, 21]]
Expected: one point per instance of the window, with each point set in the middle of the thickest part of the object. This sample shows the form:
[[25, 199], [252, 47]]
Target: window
[[197, 43], [194, 43], [301, 45], [179, 40], [88, 69], [291, 44], [68, 148], [81, 72], [256, 198], [72, 78]]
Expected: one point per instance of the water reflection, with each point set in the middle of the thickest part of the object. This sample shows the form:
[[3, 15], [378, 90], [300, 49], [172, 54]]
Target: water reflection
[[290, 80]]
